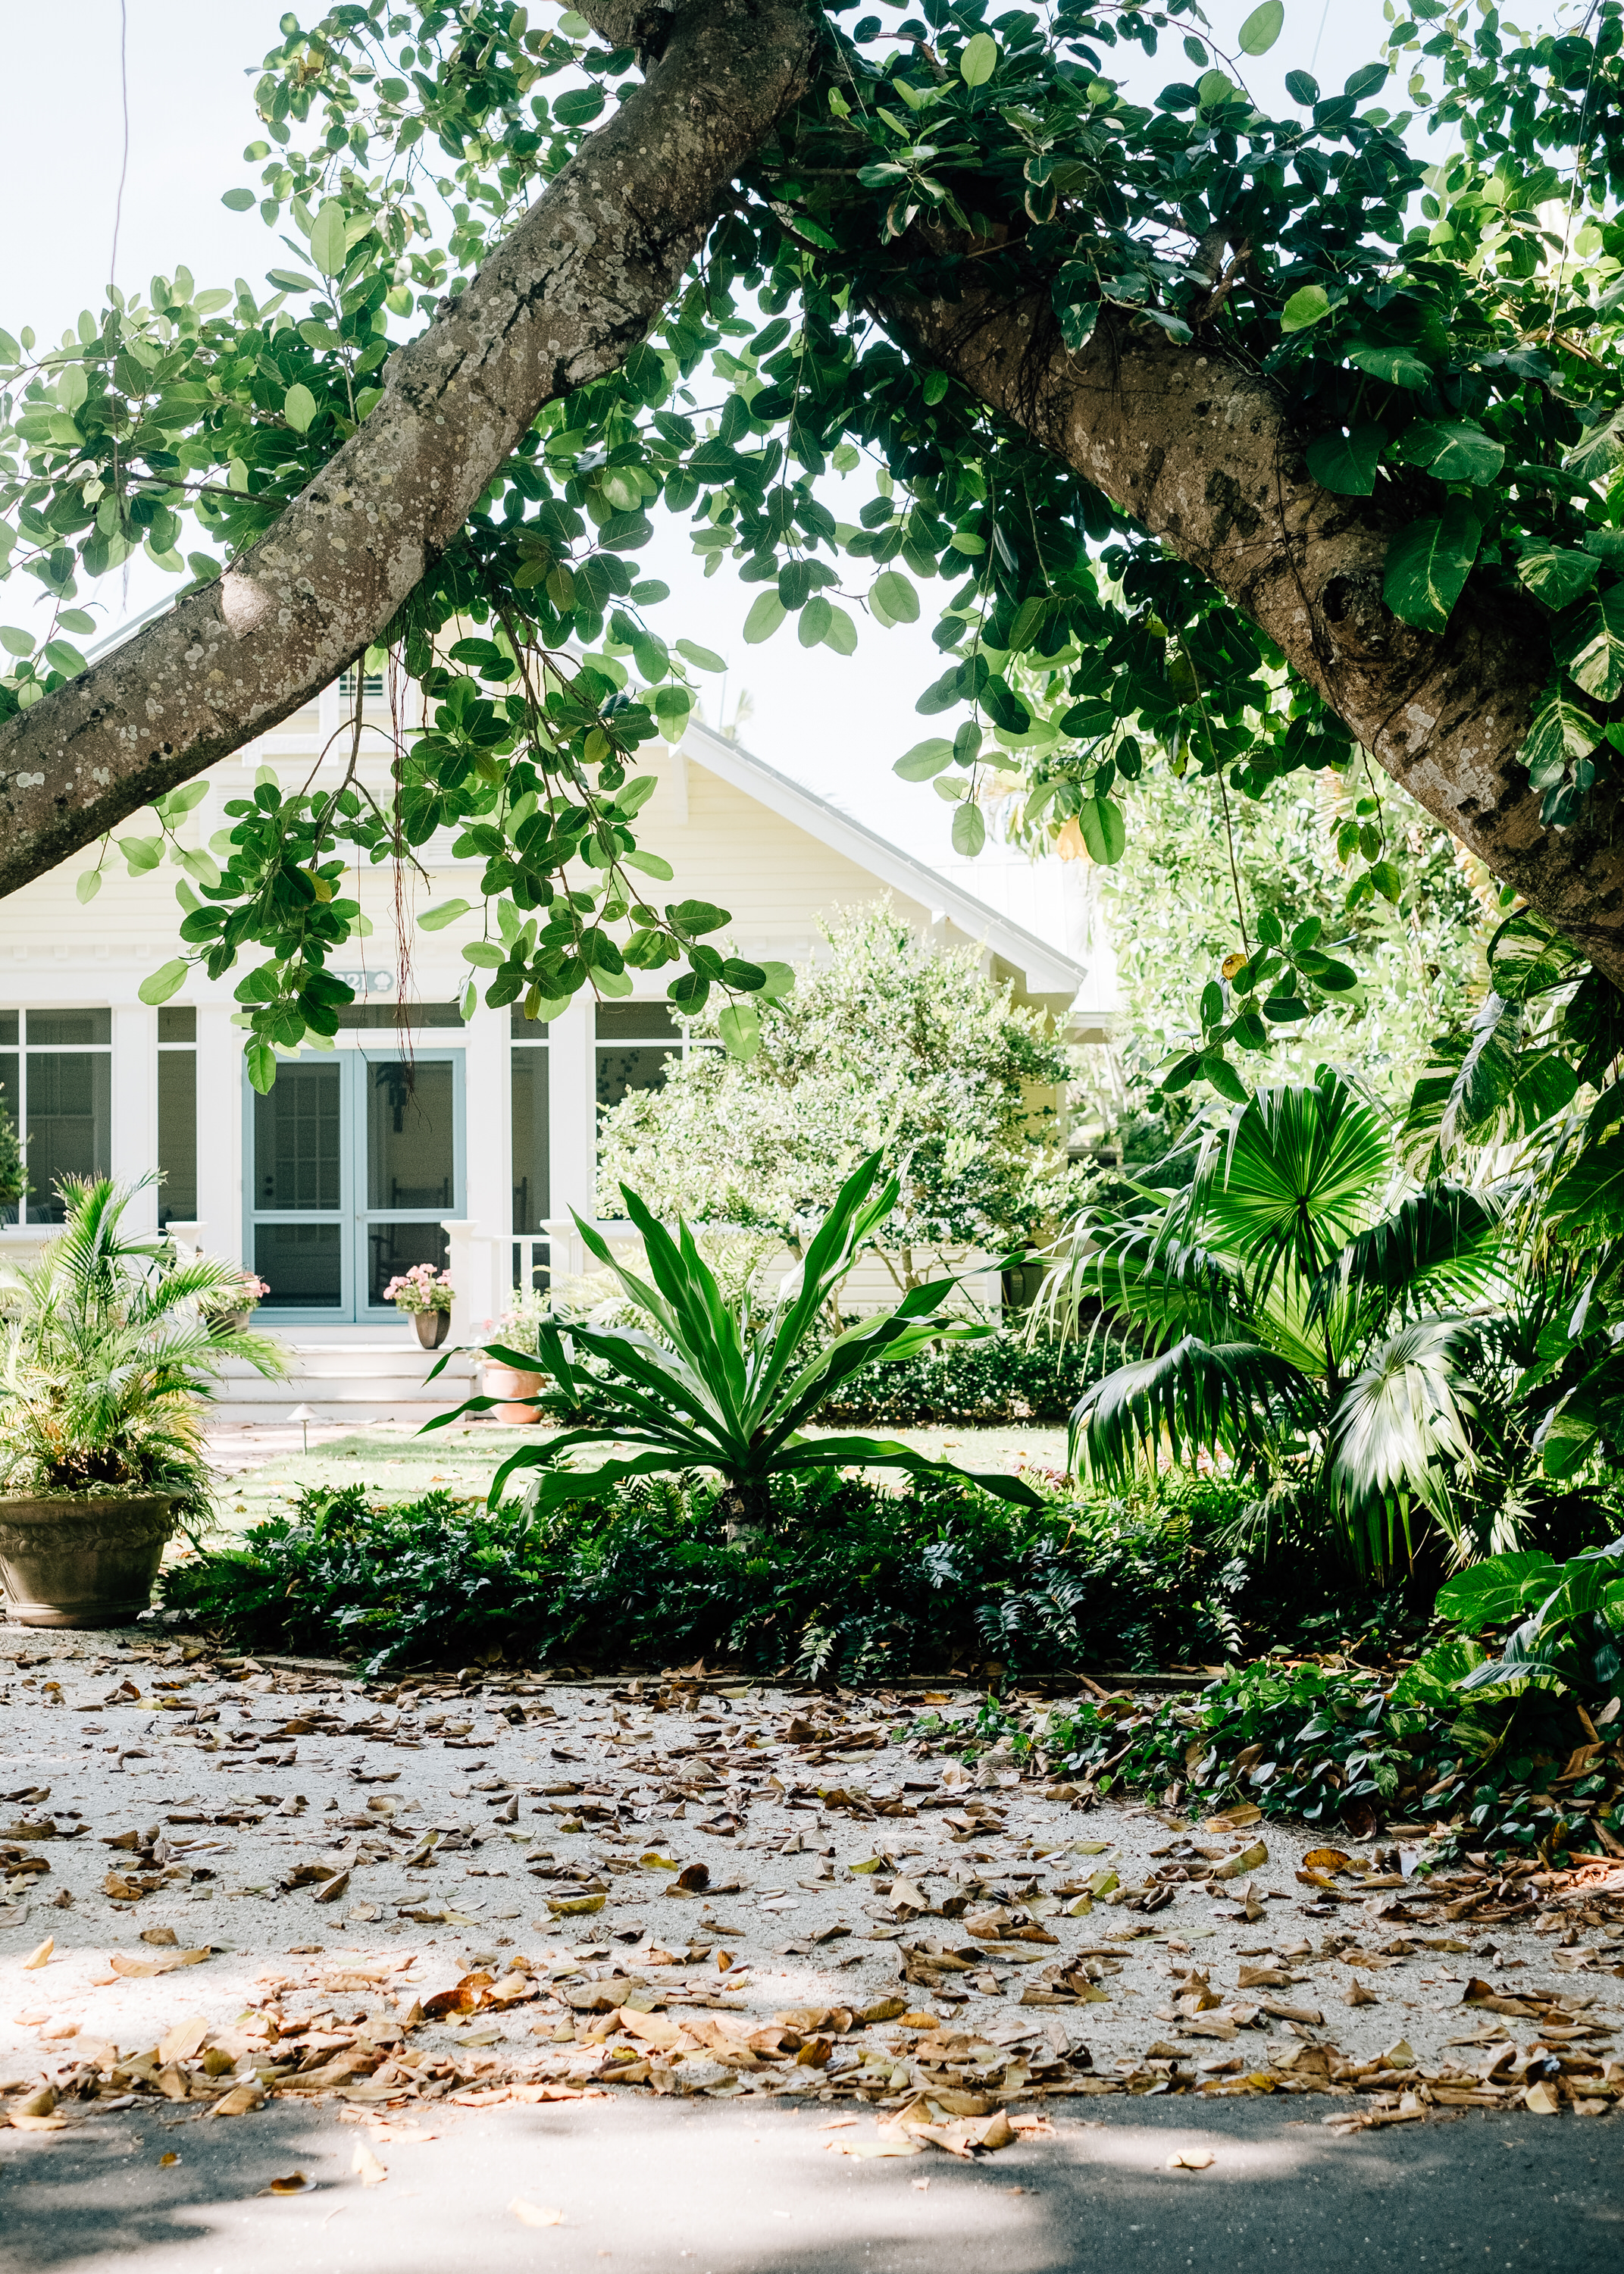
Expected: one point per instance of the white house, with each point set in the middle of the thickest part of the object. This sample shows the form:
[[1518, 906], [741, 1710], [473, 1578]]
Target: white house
[[438, 1140]]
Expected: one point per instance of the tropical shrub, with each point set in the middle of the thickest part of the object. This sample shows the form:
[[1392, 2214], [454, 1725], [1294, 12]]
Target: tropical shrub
[[1293, 1315], [975, 1385], [894, 1046], [110, 1349], [725, 1385]]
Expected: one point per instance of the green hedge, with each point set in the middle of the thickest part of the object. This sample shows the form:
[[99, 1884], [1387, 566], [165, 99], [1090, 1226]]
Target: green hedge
[[976, 1385]]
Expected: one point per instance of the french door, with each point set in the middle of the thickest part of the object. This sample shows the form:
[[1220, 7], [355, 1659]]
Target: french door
[[355, 1161]]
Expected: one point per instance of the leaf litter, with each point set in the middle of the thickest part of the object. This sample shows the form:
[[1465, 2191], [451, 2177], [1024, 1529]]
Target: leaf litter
[[660, 1836]]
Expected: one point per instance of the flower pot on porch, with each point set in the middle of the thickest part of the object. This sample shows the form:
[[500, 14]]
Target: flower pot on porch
[[81, 1559], [229, 1323], [512, 1387], [432, 1327]]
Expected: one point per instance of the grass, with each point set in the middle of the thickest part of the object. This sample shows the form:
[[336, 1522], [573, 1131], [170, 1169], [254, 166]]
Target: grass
[[395, 1461]]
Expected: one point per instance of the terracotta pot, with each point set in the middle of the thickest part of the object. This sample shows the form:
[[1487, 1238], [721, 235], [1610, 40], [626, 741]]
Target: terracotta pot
[[82, 1559], [507, 1383], [432, 1327]]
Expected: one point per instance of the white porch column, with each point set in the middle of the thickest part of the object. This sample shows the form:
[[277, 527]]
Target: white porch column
[[219, 1132], [573, 1125], [488, 1169], [471, 1261], [135, 1107]]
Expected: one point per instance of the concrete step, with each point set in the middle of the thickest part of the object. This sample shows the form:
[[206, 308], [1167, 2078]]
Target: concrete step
[[346, 1378]]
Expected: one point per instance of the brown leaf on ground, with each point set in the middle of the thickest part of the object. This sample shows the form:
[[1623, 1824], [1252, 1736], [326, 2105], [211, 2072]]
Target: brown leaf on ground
[[41, 1956], [141, 1969], [529, 2214], [366, 2167], [241, 2099], [1191, 2159], [294, 2183]]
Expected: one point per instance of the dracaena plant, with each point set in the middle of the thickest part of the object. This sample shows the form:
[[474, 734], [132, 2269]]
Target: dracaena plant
[[1296, 1309], [727, 1385]]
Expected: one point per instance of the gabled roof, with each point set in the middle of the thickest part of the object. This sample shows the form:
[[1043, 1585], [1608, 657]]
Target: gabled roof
[[1046, 971]]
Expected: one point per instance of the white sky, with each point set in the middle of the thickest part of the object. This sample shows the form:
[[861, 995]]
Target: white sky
[[836, 723]]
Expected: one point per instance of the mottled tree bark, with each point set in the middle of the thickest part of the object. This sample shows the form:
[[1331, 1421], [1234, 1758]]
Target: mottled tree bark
[[1199, 449], [562, 300]]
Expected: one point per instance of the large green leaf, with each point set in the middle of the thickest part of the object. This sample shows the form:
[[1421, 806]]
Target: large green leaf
[[1528, 955], [1261, 29], [1589, 1201], [1592, 649], [1428, 564], [1562, 732], [1555, 575], [1347, 463], [1457, 450]]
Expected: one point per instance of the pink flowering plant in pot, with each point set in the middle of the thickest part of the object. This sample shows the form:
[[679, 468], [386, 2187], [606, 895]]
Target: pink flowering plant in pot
[[425, 1295]]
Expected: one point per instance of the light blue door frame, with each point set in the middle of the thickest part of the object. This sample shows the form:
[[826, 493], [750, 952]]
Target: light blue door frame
[[351, 1162]]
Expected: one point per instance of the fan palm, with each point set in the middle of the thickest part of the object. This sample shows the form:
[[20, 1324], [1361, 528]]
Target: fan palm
[[726, 1384], [1293, 1300], [106, 1358]]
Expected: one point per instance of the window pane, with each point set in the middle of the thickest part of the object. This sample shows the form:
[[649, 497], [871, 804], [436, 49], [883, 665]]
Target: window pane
[[54, 1028], [384, 1018], [530, 1139], [643, 1022], [70, 1122], [9, 1022], [177, 1025], [177, 1134], [527, 1030], [393, 1248], [631, 1068], [302, 1264], [297, 1141], [9, 1100], [410, 1157]]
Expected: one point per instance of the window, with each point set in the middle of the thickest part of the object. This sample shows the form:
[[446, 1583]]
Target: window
[[56, 1083], [178, 1115], [531, 1178], [635, 1042], [372, 686]]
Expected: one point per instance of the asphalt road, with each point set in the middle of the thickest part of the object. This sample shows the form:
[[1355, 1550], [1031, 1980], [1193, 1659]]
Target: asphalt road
[[692, 2188]]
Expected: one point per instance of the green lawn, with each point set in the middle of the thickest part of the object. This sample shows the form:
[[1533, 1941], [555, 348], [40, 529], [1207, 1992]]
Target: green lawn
[[397, 1462]]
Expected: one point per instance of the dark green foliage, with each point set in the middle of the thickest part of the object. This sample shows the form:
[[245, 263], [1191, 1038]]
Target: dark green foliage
[[1340, 1749], [848, 1581], [976, 1385]]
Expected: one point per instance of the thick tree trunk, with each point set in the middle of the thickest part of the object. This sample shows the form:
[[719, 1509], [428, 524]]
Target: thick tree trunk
[[561, 301], [1199, 449]]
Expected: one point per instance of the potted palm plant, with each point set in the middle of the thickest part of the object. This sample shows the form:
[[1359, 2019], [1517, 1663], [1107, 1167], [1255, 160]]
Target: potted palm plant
[[109, 1351]]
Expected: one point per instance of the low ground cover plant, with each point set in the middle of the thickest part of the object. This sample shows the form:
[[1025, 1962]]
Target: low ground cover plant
[[850, 1582]]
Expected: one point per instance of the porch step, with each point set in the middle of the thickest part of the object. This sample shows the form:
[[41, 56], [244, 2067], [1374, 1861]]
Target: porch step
[[345, 1379]]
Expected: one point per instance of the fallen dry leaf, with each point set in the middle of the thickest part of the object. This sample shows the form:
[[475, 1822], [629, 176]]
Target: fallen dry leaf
[[366, 2166], [169, 2156], [41, 1956], [1190, 2159], [242, 2100], [1542, 2099], [184, 2041], [141, 1969], [529, 2214], [295, 2183]]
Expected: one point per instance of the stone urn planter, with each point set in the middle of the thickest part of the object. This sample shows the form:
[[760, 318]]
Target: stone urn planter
[[229, 1323], [432, 1327], [82, 1559], [512, 1387]]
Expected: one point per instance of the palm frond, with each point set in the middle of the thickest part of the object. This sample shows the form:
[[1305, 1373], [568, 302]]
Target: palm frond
[[1197, 1398], [1295, 1177], [1401, 1430]]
